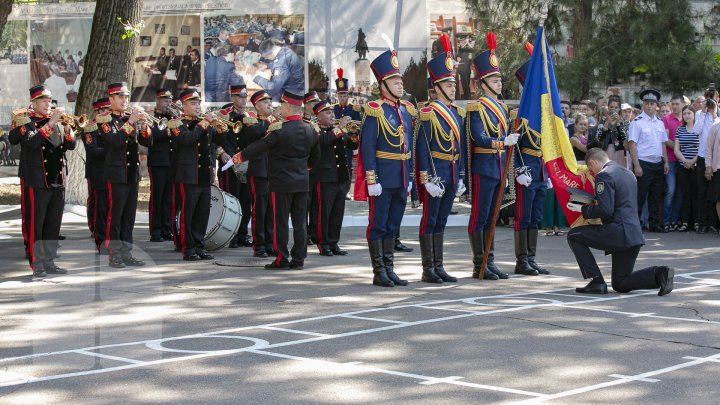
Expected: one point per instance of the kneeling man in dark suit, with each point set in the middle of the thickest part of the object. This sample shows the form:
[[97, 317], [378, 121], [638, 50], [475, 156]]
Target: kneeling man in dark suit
[[620, 234]]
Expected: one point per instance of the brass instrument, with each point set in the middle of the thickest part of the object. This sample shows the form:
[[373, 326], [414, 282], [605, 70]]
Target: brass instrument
[[235, 126], [219, 124], [175, 110], [145, 117], [352, 126], [74, 121]]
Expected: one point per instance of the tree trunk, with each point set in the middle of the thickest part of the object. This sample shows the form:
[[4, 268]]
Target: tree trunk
[[5, 9], [109, 59], [582, 31]]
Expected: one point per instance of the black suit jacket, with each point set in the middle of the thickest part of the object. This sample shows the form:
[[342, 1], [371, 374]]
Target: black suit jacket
[[292, 150], [616, 195], [195, 152], [332, 166], [159, 152], [258, 164], [45, 162], [121, 140]]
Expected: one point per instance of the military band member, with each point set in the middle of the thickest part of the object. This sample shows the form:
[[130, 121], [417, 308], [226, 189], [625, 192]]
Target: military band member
[[232, 143], [193, 136], [309, 102], [95, 150], [332, 178], [530, 192], [344, 108], [90, 201], [487, 123], [292, 147], [385, 146], [122, 134], [44, 141], [262, 214], [439, 163], [158, 162]]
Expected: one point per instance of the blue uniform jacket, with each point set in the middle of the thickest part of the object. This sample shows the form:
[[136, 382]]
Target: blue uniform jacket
[[487, 131], [288, 73], [528, 147], [386, 156], [349, 110], [437, 140]]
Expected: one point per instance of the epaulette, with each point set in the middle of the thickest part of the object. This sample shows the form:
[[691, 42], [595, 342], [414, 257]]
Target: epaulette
[[103, 118], [460, 110], [174, 123], [315, 126], [426, 114], [638, 118], [271, 119], [374, 109], [474, 106], [275, 126], [20, 117], [250, 118], [409, 107], [91, 127], [357, 107]]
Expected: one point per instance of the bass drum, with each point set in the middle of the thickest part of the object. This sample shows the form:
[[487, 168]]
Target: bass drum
[[224, 220]]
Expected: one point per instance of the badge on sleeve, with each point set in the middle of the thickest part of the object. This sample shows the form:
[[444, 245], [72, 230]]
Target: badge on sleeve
[[599, 188]]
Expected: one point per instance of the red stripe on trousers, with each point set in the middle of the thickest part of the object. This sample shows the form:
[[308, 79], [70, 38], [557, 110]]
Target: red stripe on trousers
[[31, 240], [518, 205], [23, 222], [109, 218], [95, 233], [150, 203], [182, 220], [278, 256], [253, 218], [371, 216], [423, 196], [319, 216], [474, 204], [91, 225]]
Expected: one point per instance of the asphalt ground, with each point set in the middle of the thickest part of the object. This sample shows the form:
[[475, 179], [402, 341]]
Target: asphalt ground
[[195, 333]]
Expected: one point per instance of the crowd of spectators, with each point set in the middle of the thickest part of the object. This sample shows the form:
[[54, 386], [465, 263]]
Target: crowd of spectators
[[672, 147]]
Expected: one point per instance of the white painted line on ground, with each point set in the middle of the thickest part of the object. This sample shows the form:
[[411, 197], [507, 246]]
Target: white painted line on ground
[[631, 378], [451, 309], [700, 358], [300, 332], [105, 356], [640, 315], [426, 379], [363, 318]]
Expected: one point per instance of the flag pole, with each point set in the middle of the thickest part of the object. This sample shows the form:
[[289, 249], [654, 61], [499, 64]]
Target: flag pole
[[503, 178]]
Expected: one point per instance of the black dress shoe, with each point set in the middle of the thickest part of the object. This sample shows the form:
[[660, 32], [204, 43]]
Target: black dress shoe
[[131, 261], [664, 276], [399, 247], [39, 271], [116, 262], [61, 237], [338, 252], [53, 268], [296, 266], [191, 258], [326, 252], [277, 266], [260, 253], [488, 275], [593, 288], [658, 229], [205, 256], [245, 242], [157, 239]]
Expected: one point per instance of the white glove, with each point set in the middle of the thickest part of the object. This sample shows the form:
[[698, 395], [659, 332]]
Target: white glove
[[409, 186], [548, 183], [524, 180], [511, 139], [240, 167], [574, 207], [374, 190], [433, 190], [227, 165], [460, 188]]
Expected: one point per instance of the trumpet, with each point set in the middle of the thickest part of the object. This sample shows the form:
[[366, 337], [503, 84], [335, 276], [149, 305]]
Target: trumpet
[[145, 117], [74, 121], [175, 110], [352, 126], [235, 126]]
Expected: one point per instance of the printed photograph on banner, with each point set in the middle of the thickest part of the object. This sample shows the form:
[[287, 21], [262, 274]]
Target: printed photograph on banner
[[14, 59], [167, 56], [262, 51], [462, 30], [57, 49]]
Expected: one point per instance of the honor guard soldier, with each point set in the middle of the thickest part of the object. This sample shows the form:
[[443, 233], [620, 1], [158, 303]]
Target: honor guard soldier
[[385, 146], [310, 100], [232, 143], [346, 109], [530, 192], [619, 235], [332, 178], [292, 148], [122, 132], [95, 149], [44, 141], [158, 161], [193, 136], [439, 163], [487, 124], [257, 173]]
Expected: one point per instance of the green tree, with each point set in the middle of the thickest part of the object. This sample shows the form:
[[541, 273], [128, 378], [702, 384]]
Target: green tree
[[415, 78], [5, 9], [318, 80]]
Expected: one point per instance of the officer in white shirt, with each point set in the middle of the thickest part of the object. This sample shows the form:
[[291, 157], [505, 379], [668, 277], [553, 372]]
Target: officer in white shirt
[[646, 138]]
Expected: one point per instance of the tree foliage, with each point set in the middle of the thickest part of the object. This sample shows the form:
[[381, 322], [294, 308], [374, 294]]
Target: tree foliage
[[611, 41], [415, 78]]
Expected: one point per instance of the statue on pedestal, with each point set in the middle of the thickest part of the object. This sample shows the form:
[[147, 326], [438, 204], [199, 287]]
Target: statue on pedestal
[[361, 46]]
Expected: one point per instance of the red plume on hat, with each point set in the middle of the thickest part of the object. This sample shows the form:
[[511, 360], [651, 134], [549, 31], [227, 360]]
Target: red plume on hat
[[491, 41], [340, 73], [529, 48], [445, 42]]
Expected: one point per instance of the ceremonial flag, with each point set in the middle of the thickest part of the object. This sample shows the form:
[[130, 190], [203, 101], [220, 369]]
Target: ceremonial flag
[[540, 113]]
